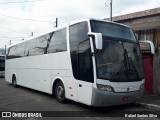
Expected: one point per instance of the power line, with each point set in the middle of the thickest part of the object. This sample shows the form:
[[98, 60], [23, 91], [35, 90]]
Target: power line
[[9, 37], [25, 18], [23, 1], [4, 40], [12, 30]]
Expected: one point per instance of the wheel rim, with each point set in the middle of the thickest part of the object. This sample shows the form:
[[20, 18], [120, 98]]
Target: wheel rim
[[60, 92]]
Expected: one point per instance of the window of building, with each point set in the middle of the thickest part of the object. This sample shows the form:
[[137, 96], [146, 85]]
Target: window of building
[[149, 35], [145, 35]]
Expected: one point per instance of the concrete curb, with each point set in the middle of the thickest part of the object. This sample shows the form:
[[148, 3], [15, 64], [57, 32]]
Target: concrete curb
[[148, 106]]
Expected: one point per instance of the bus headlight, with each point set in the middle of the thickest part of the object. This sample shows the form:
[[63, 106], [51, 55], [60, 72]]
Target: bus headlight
[[142, 86], [105, 87]]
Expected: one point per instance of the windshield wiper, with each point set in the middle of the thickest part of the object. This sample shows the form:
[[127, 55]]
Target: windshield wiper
[[128, 65], [134, 68]]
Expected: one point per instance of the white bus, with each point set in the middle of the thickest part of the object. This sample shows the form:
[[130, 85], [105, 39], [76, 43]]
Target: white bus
[[91, 61]]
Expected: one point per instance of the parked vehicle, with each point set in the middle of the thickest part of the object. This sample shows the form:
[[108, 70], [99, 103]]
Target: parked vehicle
[[91, 61]]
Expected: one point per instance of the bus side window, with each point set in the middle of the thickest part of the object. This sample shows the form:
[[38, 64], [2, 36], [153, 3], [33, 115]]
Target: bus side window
[[42, 44], [30, 48], [78, 38], [58, 42], [20, 51], [11, 52], [16, 51], [85, 72]]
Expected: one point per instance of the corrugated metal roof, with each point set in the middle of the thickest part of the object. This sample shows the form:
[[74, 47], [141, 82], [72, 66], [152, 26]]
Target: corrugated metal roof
[[139, 14], [145, 26]]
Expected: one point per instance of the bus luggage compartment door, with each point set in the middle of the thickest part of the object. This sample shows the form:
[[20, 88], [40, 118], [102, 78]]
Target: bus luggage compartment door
[[84, 92]]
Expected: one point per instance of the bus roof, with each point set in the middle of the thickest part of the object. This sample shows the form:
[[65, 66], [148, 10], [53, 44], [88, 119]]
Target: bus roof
[[88, 19], [70, 23]]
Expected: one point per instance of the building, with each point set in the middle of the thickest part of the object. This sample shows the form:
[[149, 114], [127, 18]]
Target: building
[[146, 25]]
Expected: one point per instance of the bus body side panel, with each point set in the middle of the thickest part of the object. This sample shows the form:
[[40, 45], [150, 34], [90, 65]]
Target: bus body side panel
[[84, 92], [37, 72], [62, 70]]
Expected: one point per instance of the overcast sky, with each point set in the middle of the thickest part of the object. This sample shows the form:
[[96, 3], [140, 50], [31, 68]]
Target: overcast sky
[[15, 26]]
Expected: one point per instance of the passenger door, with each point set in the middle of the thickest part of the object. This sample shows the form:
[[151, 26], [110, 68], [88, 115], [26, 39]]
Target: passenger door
[[81, 61], [85, 73]]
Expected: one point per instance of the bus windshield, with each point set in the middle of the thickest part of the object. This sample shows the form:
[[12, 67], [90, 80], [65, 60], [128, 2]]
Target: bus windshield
[[120, 59], [112, 30]]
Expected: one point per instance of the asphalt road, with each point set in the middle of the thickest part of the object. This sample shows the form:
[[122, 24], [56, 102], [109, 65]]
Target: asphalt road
[[22, 99]]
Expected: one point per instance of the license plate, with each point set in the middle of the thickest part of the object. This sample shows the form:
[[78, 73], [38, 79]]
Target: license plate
[[127, 98]]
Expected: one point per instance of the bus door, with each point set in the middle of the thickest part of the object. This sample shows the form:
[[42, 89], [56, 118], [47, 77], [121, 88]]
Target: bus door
[[81, 61], [85, 72]]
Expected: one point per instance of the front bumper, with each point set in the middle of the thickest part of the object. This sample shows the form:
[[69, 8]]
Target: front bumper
[[105, 98]]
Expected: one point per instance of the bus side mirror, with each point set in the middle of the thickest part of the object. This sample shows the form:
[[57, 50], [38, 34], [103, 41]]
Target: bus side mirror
[[98, 39], [147, 48]]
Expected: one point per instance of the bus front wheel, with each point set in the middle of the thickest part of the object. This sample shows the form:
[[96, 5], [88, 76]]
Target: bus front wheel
[[60, 92]]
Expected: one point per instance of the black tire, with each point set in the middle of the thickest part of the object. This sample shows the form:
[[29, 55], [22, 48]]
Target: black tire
[[14, 82], [60, 92]]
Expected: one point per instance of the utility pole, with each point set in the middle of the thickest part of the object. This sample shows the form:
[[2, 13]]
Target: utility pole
[[56, 22], [107, 3], [5, 50], [111, 10], [32, 34], [10, 42]]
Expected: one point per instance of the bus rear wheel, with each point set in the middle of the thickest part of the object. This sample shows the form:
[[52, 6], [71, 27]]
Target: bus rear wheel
[[14, 81], [60, 92]]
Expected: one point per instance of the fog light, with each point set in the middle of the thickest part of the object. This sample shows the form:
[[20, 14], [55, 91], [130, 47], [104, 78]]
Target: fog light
[[105, 87]]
